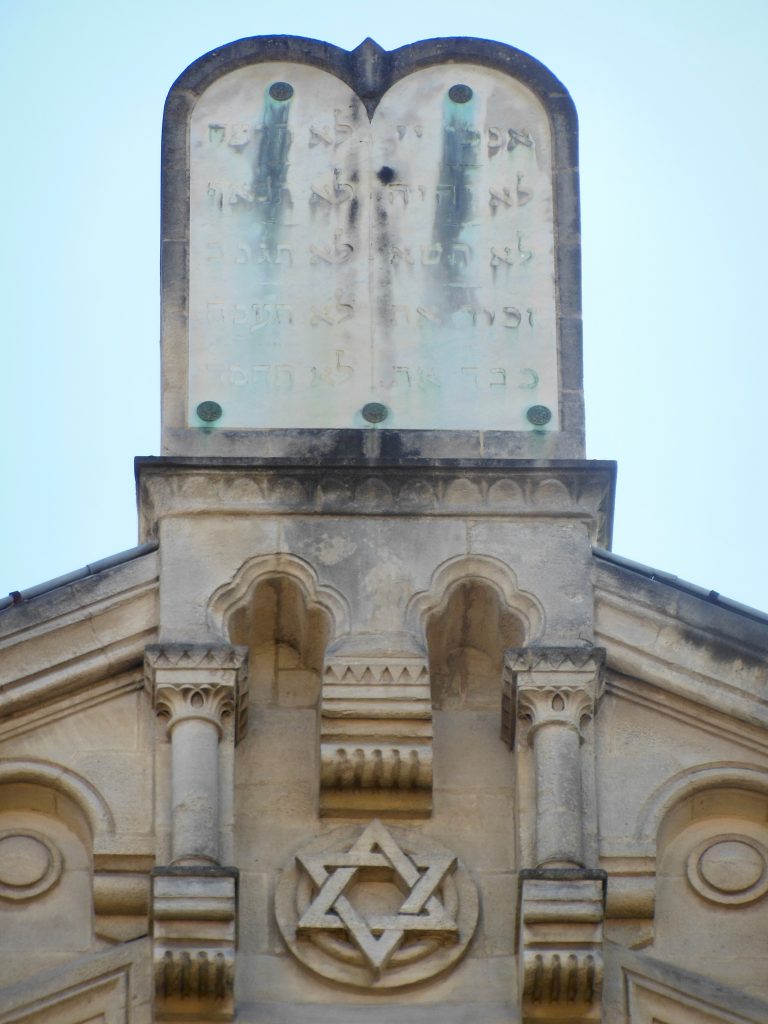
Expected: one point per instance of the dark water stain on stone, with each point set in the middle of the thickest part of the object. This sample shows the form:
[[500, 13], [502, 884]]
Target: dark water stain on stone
[[461, 141], [270, 171]]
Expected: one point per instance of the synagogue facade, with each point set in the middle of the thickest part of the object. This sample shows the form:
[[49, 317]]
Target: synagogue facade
[[372, 725]]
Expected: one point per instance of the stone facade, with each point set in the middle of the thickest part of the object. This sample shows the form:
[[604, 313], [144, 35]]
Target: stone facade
[[373, 726]]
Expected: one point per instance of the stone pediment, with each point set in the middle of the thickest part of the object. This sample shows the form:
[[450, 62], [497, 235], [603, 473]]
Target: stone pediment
[[682, 650], [646, 991], [112, 987], [77, 644]]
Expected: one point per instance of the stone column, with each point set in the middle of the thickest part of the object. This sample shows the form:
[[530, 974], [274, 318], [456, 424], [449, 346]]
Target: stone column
[[194, 727], [197, 688], [200, 691], [554, 690]]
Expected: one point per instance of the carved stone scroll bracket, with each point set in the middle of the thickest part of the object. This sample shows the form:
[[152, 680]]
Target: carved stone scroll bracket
[[554, 691], [376, 736], [121, 895], [200, 691], [194, 940], [561, 914]]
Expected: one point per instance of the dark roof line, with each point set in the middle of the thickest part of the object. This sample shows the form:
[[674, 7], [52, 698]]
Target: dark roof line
[[22, 596], [670, 580]]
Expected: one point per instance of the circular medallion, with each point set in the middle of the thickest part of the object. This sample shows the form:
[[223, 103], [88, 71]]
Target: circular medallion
[[281, 91], [538, 415], [377, 908], [729, 869], [209, 411], [460, 93], [29, 865], [374, 412]]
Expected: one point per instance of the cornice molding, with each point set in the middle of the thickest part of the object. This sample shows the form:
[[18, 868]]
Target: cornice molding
[[180, 486]]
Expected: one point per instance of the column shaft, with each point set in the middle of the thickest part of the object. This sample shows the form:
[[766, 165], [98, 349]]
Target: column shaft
[[558, 795], [195, 791]]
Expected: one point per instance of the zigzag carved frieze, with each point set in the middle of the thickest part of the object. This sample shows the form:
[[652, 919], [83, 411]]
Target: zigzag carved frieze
[[195, 656], [544, 658], [400, 673]]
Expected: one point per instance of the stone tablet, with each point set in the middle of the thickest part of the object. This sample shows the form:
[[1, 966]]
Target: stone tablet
[[363, 256]]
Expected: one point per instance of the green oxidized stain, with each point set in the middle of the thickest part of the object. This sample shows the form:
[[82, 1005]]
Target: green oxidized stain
[[270, 171]]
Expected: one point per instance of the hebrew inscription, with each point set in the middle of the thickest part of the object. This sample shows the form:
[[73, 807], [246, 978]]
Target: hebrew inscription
[[337, 261]]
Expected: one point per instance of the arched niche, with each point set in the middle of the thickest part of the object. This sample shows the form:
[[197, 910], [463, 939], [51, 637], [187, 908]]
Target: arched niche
[[466, 639], [712, 884], [276, 606], [472, 612], [286, 636]]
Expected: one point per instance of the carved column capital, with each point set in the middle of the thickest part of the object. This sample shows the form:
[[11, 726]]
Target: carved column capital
[[198, 681], [550, 685], [566, 705]]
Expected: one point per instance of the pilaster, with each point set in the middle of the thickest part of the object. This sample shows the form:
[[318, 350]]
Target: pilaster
[[550, 695], [199, 690]]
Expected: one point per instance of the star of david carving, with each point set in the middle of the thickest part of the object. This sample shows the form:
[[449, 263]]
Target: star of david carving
[[378, 936]]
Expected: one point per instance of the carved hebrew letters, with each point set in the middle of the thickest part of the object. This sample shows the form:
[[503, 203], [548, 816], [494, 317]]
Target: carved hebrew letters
[[315, 230]]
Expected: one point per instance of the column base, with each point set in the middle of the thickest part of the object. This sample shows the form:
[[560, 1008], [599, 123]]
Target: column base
[[194, 914], [561, 936]]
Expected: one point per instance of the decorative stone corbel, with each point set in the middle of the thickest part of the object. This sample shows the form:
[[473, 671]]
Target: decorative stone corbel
[[200, 691], [560, 944], [194, 939], [376, 735], [121, 895]]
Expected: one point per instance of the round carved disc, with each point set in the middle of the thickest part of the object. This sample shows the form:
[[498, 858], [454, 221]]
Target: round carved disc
[[729, 869], [376, 907], [29, 864]]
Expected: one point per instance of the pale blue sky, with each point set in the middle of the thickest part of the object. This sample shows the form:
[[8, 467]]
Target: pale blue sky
[[672, 99]]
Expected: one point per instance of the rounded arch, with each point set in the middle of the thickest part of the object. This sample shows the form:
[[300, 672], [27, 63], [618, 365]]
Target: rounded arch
[[233, 595], [687, 783], [485, 569], [80, 791]]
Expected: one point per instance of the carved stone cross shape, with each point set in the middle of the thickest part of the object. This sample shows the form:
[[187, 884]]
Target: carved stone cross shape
[[378, 936]]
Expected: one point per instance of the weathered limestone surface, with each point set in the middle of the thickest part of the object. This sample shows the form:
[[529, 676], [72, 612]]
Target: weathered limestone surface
[[369, 240], [380, 730]]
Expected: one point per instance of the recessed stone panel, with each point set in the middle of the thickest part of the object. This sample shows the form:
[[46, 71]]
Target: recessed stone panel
[[356, 264]]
